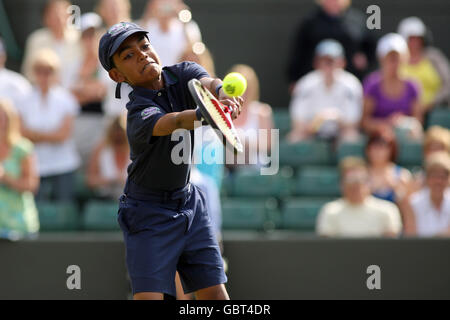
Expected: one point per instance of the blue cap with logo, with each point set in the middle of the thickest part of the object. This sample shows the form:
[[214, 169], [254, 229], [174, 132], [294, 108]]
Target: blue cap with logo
[[112, 40]]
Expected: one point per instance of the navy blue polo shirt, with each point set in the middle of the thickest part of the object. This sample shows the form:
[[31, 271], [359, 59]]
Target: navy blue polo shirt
[[152, 167]]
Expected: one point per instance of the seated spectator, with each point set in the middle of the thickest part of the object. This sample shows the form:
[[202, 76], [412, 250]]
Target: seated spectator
[[88, 88], [255, 115], [48, 114], [327, 102], [427, 65], [390, 101], [18, 178], [357, 213], [112, 12], [12, 84], [429, 208], [436, 139], [107, 171], [58, 36], [333, 19], [387, 180]]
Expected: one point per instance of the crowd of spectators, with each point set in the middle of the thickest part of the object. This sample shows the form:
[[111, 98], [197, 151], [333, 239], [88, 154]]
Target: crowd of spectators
[[344, 85]]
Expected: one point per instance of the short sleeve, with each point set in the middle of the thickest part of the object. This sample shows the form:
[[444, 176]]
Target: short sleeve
[[325, 225], [298, 107], [23, 148], [414, 89], [140, 123], [370, 85], [192, 70]]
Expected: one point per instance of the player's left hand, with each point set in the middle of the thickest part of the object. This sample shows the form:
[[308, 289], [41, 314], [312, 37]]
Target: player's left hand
[[234, 102]]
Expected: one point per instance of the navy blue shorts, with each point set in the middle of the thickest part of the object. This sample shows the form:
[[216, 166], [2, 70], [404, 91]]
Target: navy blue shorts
[[164, 235]]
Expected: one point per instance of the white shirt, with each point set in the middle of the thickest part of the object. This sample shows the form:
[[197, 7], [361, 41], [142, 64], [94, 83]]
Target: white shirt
[[47, 115], [373, 218], [13, 86], [311, 96], [113, 107], [169, 45], [430, 220]]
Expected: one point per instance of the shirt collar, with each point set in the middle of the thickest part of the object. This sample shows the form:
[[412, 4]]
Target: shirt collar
[[169, 80]]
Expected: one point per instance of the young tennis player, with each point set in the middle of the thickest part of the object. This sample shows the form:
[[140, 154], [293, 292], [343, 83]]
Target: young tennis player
[[162, 215]]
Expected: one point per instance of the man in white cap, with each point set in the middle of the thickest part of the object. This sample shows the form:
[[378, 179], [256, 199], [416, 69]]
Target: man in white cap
[[326, 102], [13, 86], [427, 65]]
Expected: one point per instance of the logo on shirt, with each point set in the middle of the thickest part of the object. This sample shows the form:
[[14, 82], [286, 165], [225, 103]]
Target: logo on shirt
[[148, 112]]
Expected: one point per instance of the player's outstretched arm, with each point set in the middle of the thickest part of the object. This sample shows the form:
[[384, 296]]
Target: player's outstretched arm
[[173, 121]]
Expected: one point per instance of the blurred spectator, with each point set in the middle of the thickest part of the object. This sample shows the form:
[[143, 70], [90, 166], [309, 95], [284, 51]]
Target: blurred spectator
[[390, 102], [437, 139], [107, 172], [48, 115], [57, 36], [18, 177], [255, 116], [336, 20], [170, 35], [327, 102], [429, 208], [387, 180], [357, 213], [200, 54], [112, 12], [88, 88], [12, 84], [427, 65]]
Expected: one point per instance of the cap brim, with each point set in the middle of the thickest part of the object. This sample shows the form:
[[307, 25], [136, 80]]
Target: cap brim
[[118, 42]]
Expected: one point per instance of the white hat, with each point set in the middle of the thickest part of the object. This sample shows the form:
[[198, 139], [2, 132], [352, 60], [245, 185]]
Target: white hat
[[330, 48], [391, 42], [90, 20], [411, 26]]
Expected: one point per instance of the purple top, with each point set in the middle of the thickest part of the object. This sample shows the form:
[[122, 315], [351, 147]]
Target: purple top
[[384, 105]]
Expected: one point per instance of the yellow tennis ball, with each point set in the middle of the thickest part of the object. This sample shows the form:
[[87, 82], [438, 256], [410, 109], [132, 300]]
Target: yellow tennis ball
[[234, 84]]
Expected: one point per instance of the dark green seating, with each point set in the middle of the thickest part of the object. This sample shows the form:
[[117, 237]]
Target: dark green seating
[[244, 214], [410, 153], [317, 182], [439, 117], [101, 216], [301, 213], [305, 153], [282, 121], [354, 149], [251, 183], [55, 216]]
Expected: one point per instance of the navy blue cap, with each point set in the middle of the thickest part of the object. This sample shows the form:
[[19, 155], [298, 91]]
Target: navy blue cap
[[112, 40]]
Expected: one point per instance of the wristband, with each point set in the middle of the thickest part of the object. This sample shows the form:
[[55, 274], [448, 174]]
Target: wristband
[[218, 89]]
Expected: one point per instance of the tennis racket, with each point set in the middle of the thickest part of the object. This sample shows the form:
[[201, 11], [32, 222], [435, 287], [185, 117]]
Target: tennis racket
[[216, 114]]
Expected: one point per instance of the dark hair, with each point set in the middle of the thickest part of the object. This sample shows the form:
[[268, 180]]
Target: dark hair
[[388, 139]]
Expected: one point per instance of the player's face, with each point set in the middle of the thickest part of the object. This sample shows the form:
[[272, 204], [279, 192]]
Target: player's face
[[137, 62]]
